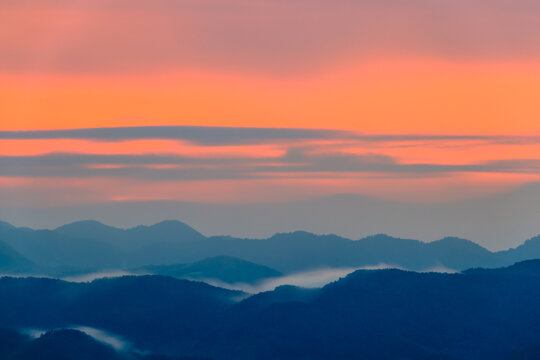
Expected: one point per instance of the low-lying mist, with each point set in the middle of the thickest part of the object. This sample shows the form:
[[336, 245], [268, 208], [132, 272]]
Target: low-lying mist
[[89, 277], [308, 279], [315, 278]]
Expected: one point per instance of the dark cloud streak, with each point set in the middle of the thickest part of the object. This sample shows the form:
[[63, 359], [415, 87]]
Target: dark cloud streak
[[219, 136], [203, 135], [296, 162]]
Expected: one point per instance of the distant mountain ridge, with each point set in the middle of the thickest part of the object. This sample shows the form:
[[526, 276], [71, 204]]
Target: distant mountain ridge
[[136, 237], [10, 260], [92, 245]]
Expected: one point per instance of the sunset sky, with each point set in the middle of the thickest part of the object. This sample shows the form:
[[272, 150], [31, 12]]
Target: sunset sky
[[256, 101]]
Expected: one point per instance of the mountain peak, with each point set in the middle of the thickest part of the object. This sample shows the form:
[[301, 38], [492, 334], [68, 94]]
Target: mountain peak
[[83, 225], [175, 225], [170, 223], [230, 269], [456, 241], [384, 239], [169, 229], [380, 237]]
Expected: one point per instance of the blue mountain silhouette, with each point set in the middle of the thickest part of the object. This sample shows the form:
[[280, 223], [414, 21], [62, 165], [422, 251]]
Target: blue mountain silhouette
[[90, 245], [369, 314]]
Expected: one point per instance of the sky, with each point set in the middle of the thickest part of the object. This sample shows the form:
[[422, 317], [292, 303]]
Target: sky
[[266, 102]]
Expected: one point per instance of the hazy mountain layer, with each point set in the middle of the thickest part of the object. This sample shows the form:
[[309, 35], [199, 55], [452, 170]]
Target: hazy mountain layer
[[92, 246], [497, 222], [223, 268]]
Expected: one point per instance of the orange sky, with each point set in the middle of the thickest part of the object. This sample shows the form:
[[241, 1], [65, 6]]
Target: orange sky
[[370, 67], [415, 96]]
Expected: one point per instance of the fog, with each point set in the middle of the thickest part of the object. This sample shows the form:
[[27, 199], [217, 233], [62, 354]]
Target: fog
[[114, 341], [309, 279]]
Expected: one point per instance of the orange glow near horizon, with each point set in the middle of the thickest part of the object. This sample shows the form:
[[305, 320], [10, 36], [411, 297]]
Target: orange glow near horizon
[[421, 96], [278, 190], [415, 96]]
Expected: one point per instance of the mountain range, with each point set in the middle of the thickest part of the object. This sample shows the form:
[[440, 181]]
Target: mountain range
[[370, 314], [87, 246]]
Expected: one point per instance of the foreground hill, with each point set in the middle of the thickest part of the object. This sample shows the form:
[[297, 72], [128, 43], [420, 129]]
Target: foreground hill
[[377, 314], [145, 307], [393, 314], [93, 246], [64, 345]]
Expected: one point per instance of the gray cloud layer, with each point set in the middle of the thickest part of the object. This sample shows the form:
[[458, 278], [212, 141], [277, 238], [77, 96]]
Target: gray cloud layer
[[296, 161], [300, 158], [204, 135], [210, 136]]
